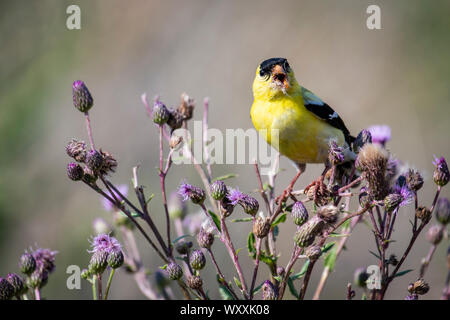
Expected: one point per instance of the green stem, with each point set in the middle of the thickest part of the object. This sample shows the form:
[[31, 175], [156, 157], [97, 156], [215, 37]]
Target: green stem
[[108, 285], [94, 287]]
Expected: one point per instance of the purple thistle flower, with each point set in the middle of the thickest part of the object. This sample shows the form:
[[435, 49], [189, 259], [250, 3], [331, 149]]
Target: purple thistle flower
[[234, 196], [380, 133], [104, 242], [45, 259], [187, 191], [107, 205], [403, 190]]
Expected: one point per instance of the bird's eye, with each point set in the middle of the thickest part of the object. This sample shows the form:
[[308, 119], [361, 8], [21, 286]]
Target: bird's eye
[[264, 74]]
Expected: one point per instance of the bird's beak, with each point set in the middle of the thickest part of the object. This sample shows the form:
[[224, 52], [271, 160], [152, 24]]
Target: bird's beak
[[280, 78]]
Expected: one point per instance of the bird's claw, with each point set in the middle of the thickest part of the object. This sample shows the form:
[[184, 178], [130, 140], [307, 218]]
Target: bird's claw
[[320, 190]]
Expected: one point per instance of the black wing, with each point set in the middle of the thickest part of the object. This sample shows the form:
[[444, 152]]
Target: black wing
[[324, 112]]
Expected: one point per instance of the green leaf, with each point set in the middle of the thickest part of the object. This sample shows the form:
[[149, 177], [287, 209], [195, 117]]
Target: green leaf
[[376, 256], [238, 283], [180, 237], [301, 273], [278, 278], [225, 177], [258, 288], [346, 224], [280, 219], [330, 259], [269, 260], [238, 250], [242, 220], [338, 235], [401, 273], [225, 293], [251, 243], [133, 214], [292, 287], [215, 219], [328, 246], [164, 267], [150, 198]]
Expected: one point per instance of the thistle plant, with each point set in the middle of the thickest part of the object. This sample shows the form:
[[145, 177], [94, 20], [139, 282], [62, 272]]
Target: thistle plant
[[363, 182]]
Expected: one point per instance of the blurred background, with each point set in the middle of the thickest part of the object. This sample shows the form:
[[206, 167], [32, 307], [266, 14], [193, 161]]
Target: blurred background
[[398, 76]]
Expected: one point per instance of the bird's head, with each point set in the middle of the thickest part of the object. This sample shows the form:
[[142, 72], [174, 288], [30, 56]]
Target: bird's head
[[273, 77]]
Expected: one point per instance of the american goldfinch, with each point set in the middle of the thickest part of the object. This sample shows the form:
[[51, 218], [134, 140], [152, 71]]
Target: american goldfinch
[[305, 124]]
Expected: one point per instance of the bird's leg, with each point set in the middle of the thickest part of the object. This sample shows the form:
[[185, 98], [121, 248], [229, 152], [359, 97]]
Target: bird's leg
[[319, 185], [287, 192]]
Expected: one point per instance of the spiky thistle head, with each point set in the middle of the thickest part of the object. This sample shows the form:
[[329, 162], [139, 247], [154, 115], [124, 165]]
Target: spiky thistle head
[[82, 99]]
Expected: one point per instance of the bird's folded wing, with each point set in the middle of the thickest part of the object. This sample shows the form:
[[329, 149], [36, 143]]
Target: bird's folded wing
[[324, 112]]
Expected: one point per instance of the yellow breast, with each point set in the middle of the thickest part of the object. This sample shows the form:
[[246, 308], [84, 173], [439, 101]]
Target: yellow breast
[[291, 129]]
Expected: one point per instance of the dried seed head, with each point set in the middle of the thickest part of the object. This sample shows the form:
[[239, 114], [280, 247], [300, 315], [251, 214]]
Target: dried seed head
[[109, 163], [74, 171], [372, 161], [160, 113], [82, 99], [186, 107], [77, 150], [197, 260], [183, 247], [115, 259], [435, 234], [419, 287], [321, 198], [27, 263], [328, 213], [414, 180], [175, 120], [89, 176], [218, 190], [194, 282], [261, 227], [299, 213], [174, 271], [424, 214], [363, 138], [441, 175], [443, 211], [94, 160], [313, 253], [269, 291]]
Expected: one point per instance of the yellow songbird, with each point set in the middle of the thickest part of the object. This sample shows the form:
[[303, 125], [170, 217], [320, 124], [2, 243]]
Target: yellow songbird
[[302, 122]]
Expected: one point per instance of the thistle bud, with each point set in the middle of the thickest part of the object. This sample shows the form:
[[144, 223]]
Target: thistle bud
[[414, 180], [299, 213], [313, 253], [183, 247], [197, 260], [392, 201], [99, 262], [372, 161], [37, 279], [175, 120], [360, 277], [335, 153], [160, 113], [74, 171], [77, 150], [435, 234], [186, 107], [194, 282], [261, 227], [250, 205], [424, 214], [187, 191], [6, 290], [27, 263], [89, 176], [218, 190], [17, 283], [85, 274], [205, 238], [115, 259], [441, 175], [306, 234], [269, 291], [82, 99], [328, 213], [443, 211], [176, 207], [363, 138], [419, 287], [174, 271], [280, 271], [226, 207]]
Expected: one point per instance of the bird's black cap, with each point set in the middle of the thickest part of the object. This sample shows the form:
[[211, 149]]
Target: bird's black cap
[[267, 65]]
